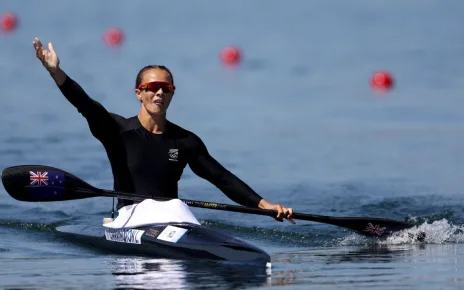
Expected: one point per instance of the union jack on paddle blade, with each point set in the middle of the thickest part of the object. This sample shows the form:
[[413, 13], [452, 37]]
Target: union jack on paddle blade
[[376, 230], [38, 178]]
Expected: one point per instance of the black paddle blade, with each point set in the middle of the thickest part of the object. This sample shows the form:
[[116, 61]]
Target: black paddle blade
[[37, 183], [376, 227], [372, 227]]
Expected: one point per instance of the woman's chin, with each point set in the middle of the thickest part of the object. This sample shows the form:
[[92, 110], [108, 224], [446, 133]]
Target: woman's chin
[[157, 112]]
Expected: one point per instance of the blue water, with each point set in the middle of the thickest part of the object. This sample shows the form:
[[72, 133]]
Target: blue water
[[296, 120]]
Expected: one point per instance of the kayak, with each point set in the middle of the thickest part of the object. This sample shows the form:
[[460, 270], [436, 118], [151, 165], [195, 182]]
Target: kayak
[[165, 229], [167, 240]]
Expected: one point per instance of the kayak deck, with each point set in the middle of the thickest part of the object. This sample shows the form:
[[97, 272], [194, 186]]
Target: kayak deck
[[171, 240]]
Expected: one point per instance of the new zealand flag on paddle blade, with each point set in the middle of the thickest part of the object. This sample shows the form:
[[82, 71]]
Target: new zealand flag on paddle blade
[[46, 184]]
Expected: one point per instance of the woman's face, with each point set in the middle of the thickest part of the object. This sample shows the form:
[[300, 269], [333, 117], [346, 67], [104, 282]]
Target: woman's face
[[156, 91]]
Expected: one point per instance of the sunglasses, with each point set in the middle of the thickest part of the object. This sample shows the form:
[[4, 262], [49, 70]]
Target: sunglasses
[[155, 86]]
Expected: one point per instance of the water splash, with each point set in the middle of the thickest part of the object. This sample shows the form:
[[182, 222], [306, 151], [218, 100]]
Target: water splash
[[437, 232]]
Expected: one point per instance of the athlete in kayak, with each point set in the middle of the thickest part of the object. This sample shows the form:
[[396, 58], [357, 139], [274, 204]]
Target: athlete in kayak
[[148, 153]]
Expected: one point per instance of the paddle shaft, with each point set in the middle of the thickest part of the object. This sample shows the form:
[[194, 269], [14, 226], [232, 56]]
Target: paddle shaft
[[338, 221], [192, 203]]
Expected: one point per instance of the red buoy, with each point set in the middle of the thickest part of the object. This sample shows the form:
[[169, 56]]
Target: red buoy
[[8, 22], [382, 80], [114, 36], [231, 55]]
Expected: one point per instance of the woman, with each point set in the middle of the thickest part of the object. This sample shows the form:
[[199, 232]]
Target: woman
[[147, 152]]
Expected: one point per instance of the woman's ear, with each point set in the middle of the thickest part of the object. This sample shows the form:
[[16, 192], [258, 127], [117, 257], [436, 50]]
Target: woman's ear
[[138, 94]]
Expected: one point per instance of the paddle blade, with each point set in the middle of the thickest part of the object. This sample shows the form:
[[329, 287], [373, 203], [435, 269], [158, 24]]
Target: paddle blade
[[38, 183], [373, 227]]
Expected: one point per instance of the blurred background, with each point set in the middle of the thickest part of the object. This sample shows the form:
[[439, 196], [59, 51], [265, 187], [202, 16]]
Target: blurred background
[[329, 107]]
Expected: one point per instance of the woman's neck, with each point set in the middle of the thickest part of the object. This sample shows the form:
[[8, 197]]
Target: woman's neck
[[153, 123]]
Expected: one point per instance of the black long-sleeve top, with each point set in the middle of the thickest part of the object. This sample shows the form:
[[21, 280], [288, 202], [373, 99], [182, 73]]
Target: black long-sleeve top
[[152, 164]]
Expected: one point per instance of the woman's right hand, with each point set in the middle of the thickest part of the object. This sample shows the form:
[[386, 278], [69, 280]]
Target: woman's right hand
[[48, 57]]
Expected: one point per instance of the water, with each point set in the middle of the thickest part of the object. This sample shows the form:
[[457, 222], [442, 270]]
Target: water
[[296, 120]]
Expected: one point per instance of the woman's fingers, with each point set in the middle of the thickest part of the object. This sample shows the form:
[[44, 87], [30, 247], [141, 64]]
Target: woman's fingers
[[41, 54], [290, 213], [280, 212], [37, 43], [289, 216], [283, 212], [39, 51], [51, 48]]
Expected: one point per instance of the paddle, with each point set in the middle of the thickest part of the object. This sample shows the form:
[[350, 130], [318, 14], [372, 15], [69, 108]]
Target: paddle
[[39, 183]]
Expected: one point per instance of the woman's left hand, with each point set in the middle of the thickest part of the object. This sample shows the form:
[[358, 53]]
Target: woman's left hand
[[282, 211]]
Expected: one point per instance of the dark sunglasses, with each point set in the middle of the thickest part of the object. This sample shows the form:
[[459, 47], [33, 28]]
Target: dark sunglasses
[[155, 86]]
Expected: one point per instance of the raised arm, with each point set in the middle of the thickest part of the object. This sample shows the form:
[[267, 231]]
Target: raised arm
[[100, 121], [205, 166]]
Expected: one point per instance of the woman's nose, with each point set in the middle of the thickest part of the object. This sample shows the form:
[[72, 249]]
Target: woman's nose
[[160, 92]]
